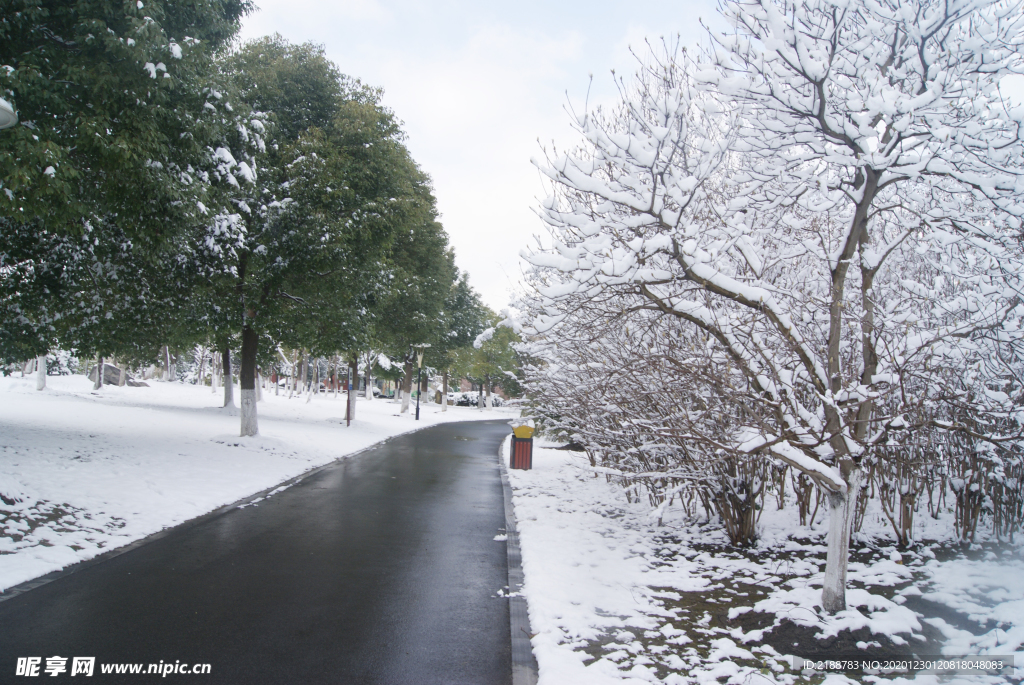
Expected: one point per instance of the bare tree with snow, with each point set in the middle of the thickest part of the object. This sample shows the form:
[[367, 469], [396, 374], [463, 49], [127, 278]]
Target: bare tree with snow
[[831, 201]]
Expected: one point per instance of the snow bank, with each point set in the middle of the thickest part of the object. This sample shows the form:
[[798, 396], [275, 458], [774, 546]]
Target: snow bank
[[615, 599]]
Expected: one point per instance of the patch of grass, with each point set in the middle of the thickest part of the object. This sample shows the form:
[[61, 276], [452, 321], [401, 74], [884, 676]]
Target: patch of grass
[[20, 524], [694, 625]]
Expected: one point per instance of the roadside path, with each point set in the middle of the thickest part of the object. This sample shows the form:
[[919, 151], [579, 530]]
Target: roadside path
[[380, 568]]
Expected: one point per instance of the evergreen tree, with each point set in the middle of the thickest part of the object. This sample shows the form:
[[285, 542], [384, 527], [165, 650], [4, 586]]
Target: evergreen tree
[[98, 180], [306, 214], [492, 359], [422, 270], [465, 317]]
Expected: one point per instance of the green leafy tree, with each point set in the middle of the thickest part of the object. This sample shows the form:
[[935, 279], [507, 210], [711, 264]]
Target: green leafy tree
[[307, 214], [422, 271], [492, 359], [464, 317], [97, 183]]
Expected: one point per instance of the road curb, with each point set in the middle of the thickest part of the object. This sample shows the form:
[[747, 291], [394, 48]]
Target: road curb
[[524, 664]]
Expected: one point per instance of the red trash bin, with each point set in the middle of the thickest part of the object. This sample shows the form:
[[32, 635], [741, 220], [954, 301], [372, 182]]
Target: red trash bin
[[522, 448]]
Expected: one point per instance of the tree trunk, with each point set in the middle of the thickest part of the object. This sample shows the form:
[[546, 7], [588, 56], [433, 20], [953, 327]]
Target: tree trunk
[[202, 369], [480, 397], [291, 375], [213, 371], [225, 372], [247, 381], [369, 377], [303, 371], [353, 374], [314, 380], [99, 373], [444, 394], [259, 386], [487, 381], [406, 387], [167, 364], [122, 375], [842, 506], [41, 372]]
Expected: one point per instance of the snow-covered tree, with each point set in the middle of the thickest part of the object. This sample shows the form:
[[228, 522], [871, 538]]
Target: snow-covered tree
[[96, 183], [308, 171], [831, 202], [492, 359]]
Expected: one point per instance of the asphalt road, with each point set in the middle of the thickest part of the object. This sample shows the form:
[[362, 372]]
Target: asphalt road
[[381, 568]]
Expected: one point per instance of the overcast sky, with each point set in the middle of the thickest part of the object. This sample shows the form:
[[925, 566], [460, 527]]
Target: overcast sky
[[477, 84]]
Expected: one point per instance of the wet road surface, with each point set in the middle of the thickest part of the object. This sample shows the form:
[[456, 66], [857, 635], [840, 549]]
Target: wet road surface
[[381, 568]]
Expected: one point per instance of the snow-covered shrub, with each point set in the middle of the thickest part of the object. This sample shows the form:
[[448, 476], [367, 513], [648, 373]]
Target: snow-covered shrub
[[61, 363]]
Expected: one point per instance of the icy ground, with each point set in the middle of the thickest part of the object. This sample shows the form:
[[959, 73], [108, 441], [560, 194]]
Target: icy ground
[[95, 471], [615, 599]]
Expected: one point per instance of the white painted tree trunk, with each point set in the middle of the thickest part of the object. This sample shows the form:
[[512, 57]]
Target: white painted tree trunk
[[444, 393], [406, 388], [314, 385], [369, 377], [259, 387], [167, 365], [229, 383], [250, 423], [229, 391], [99, 374], [41, 372], [480, 398], [40, 369], [488, 405], [353, 370], [291, 377], [842, 506]]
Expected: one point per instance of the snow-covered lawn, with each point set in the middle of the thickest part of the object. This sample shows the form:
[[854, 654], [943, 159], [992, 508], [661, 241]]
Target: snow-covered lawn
[[614, 598], [95, 471]]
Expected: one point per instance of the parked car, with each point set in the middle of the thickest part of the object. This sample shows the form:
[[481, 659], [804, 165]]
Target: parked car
[[472, 399]]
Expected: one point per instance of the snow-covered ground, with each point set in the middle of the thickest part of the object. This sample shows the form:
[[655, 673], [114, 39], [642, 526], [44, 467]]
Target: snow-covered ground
[[614, 598], [96, 471]]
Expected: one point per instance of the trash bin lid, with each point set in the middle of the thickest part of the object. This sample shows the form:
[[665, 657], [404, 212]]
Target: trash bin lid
[[523, 432]]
